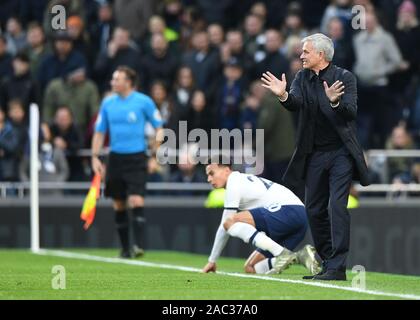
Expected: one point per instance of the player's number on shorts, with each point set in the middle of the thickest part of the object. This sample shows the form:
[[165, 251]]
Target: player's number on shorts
[[266, 183]]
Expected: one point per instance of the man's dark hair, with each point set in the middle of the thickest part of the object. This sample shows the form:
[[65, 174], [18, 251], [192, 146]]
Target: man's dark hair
[[130, 73], [22, 56], [67, 108], [34, 25], [221, 160], [62, 36]]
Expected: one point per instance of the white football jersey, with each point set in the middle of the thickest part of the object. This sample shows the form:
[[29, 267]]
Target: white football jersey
[[246, 191]]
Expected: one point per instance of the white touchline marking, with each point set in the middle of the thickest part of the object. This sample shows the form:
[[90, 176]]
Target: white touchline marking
[[83, 256]]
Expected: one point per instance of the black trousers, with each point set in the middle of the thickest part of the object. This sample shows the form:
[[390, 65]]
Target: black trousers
[[327, 184]]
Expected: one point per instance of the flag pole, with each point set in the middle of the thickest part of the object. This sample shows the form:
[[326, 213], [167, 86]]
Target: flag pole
[[34, 190]]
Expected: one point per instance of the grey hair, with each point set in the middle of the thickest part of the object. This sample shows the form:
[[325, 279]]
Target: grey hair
[[321, 43]]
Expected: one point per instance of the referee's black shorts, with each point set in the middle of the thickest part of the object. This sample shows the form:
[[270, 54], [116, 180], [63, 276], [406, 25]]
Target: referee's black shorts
[[126, 175]]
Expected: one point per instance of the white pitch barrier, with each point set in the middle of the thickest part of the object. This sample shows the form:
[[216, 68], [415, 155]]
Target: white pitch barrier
[[34, 163]]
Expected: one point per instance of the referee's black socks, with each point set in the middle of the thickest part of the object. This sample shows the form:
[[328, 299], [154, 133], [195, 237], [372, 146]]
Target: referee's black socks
[[121, 220], [139, 222]]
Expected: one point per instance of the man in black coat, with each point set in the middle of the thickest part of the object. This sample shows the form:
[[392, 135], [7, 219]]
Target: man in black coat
[[328, 155], [20, 85]]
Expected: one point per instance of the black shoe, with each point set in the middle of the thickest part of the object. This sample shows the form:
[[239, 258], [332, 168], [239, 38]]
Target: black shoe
[[312, 276], [331, 275], [124, 254]]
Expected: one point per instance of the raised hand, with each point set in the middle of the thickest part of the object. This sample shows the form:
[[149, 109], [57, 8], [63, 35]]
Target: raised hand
[[335, 91], [277, 86]]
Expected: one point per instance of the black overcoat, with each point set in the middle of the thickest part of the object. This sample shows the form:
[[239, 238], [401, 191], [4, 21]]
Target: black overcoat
[[306, 92]]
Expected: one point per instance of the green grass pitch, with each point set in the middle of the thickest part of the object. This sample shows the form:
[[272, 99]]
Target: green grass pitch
[[24, 275]]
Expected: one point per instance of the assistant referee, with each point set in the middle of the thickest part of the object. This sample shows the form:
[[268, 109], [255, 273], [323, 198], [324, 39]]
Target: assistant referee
[[124, 115]]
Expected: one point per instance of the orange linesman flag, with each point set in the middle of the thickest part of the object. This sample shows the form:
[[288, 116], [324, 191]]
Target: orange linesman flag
[[89, 205]]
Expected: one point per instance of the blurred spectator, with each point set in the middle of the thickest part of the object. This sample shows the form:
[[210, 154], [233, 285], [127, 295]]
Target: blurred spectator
[[203, 62], [159, 94], [77, 92], [343, 49], [295, 67], [15, 35], [80, 37], [37, 47], [188, 170], [9, 150], [234, 48], [8, 9], [6, 68], [292, 47], [407, 35], [20, 85], [388, 10], [230, 94], [183, 90], [101, 31], [159, 64], [407, 178], [340, 9], [199, 115], [157, 25], [411, 177], [133, 15], [154, 171], [293, 26], [53, 165], [279, 137], [216, 35], [377, 56], [119, 52], [251, 106], [415, 173], [66, 136], [400, 139], [192, 22], [275, 61], [259, 9], [17, 116], [61, 61], [277, 10], [254, 37], [172, 13]]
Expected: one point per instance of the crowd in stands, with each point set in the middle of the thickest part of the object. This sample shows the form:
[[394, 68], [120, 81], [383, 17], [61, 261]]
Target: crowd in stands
[[200, 61]]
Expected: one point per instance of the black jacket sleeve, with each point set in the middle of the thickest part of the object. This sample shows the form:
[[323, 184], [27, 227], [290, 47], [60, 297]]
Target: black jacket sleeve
[[295, 99], [348, 102]]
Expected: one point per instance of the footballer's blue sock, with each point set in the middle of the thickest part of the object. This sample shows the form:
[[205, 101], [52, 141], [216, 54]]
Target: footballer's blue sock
[[121, 221], [139, 222]]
